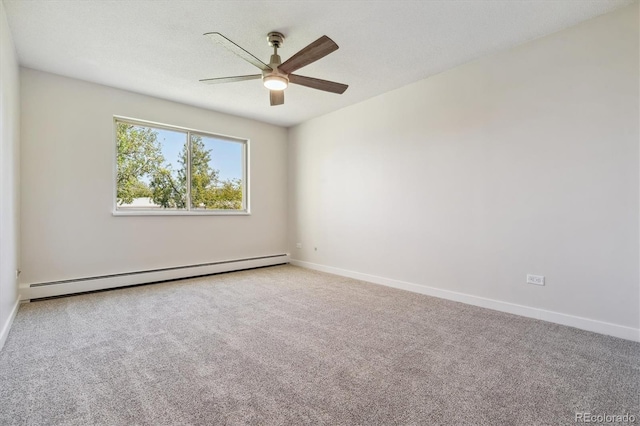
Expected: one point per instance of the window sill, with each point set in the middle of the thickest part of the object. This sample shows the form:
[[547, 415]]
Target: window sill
[[181, 213]]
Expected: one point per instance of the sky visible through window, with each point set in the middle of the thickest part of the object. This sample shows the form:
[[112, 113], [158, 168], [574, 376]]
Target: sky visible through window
[[226, 157]]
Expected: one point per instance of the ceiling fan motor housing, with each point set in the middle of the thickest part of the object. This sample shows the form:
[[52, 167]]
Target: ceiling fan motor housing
[[275, 76]]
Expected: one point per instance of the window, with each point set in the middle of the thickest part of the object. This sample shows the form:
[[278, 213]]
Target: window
[[170, 170]]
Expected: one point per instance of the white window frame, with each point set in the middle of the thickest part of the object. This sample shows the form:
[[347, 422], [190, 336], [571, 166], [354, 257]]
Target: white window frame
[[187, 211]]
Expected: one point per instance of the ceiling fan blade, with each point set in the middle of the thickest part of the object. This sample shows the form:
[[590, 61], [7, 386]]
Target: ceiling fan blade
[[234, 48], [231, 79], [316, 50], [276, 97], [316, 83]]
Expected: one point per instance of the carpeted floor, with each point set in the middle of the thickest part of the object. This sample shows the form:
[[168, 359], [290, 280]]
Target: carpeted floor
[[289, 346]]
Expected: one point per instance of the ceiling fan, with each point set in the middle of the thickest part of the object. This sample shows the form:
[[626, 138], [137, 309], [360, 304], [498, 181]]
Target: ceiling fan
[[276, 75]]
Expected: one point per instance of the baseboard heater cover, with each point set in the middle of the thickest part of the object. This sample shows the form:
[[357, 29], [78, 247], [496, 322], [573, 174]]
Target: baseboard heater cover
[[80, 285]]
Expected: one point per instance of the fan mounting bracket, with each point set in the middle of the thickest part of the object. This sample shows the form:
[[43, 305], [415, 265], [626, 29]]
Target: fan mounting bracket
[[275, 39]]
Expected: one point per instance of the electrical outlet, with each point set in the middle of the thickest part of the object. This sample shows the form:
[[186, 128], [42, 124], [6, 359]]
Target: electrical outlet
[[298, 245], [535, 279]]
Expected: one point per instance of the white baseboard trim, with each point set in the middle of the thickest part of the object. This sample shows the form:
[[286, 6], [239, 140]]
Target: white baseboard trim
[[595, 326], [7, 325], [59, 288]]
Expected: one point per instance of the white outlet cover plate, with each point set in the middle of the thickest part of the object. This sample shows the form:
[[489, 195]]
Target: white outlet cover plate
[[535, 279]]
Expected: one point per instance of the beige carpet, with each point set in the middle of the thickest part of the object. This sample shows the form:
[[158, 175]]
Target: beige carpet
[[289, 346]]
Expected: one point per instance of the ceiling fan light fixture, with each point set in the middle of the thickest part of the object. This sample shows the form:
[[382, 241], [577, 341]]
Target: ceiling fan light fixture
[[275, 82]]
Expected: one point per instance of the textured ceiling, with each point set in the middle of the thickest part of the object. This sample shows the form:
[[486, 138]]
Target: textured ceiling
[[157, 47]]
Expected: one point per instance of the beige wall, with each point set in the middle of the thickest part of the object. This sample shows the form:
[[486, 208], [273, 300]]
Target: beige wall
[[9, 176], [68, 157], [521, 162]]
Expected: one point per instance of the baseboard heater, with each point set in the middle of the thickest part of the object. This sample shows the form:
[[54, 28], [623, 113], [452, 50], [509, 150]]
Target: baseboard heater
[[81, 285]]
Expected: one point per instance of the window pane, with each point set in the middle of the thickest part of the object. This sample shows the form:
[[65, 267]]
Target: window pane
[[151, 168], [216, 173]]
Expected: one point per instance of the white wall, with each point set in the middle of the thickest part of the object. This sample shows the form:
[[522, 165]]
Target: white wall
[[522, 162], [68, 151], [9, 177]]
